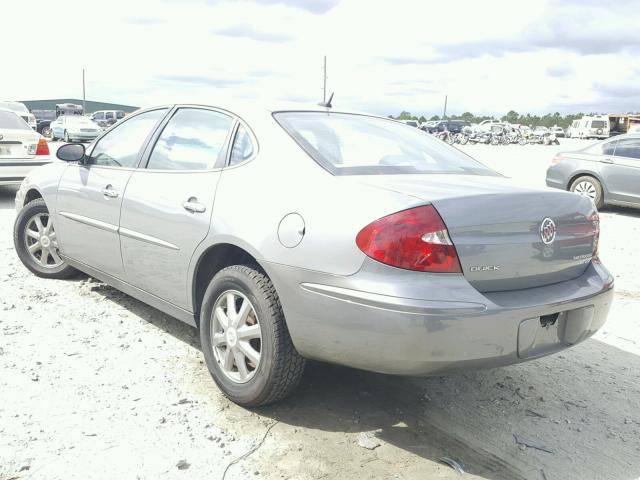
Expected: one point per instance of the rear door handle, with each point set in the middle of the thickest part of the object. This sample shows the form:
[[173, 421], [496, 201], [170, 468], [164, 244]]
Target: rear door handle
[[192, 205], [606, 160], [109, 192]]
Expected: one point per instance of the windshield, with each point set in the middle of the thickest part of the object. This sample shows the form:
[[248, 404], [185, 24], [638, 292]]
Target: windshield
[[349, 144], [10, 120], [15, 106]]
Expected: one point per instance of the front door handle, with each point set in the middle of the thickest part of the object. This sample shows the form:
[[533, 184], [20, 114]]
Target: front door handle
[[109, 192], [192, 205], [606, 160]]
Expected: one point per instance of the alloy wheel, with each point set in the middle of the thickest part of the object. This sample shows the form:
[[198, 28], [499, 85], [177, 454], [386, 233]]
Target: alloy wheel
[[586, 189], [236, 336], [41, 241]]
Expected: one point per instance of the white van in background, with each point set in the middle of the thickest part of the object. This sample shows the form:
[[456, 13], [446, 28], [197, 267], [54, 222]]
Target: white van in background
[[596, 126]]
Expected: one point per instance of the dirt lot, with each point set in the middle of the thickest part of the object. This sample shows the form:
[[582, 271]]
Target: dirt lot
[[96, 385]]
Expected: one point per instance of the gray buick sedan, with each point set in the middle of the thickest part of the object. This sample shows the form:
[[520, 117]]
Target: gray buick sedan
[[286, 235], [607, 172]]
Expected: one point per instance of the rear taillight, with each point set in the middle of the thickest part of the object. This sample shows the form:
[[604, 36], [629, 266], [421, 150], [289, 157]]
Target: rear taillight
[[557, 159], [414, 239], [43, 147]]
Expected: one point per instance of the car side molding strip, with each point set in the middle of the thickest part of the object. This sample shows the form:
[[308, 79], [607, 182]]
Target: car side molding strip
[[125, 232], [109, 227]]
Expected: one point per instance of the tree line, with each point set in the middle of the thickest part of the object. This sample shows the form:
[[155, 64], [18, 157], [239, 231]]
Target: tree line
[[548, 120]]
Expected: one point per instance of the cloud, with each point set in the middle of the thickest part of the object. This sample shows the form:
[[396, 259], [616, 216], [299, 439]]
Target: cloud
[[247, 31], [588, 27], [145, 21], [627, 91], [201, 80], [313, 6], [559, 70]]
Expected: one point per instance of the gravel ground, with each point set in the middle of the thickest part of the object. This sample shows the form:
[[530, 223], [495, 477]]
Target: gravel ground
[[94, 384]]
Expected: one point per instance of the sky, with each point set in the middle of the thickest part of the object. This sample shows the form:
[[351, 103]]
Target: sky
[[487, 56]]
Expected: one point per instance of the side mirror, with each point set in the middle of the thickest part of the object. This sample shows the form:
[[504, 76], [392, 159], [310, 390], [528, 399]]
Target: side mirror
[[72, 152]]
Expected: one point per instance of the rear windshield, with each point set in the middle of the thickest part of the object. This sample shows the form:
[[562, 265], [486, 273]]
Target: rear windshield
[[349, 144], [597, 124], [11, 120]]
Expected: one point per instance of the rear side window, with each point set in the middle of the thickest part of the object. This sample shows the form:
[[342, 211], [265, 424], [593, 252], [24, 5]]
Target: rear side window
[[609, 147], [12, 121], [598, 124], [242, 147], [349, 144], [194, 139], [108, 115], [119, 115], [120, 147], [628, 147]]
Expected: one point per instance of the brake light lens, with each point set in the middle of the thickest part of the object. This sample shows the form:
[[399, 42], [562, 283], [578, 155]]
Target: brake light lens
[[414, 239], [42, 148]]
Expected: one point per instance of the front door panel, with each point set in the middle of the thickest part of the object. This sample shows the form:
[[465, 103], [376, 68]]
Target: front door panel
[[88, 212]]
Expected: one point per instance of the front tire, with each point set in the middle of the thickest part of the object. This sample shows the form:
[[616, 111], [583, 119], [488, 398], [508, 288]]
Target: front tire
[[588, 187], [245, 340], [36, 242]]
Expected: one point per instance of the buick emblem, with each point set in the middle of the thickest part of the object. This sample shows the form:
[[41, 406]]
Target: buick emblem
[[547, 231]]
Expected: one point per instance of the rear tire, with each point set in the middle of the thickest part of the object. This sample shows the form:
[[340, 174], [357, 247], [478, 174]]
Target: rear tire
[[43, 259], [588, 187], [279, 366]]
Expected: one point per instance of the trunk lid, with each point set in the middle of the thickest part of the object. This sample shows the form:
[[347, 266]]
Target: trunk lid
[[15, 143], [507, 237]]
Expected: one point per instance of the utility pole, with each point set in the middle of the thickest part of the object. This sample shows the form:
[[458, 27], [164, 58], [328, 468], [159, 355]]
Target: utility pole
[[84, 100], [444, 114], [324, 81]]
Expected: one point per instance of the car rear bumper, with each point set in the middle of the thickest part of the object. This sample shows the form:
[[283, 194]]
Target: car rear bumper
[[393, 321], [13, 171]]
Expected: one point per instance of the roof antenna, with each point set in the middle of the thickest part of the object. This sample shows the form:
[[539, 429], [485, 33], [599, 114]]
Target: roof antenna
[[327, 104]]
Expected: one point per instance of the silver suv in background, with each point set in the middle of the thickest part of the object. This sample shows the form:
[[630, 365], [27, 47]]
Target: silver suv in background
[[607, 172]]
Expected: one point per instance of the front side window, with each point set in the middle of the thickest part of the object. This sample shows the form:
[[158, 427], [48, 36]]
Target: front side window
[[628, 147], [99, 116], [242, 147], [121, 146], [108, 115], [348, 144], [193, 139]]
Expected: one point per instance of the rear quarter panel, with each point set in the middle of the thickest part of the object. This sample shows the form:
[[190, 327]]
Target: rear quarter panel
[[253, 198]]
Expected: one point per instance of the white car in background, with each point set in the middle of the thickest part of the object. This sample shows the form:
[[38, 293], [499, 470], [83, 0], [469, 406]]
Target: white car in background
[[21, 148], [76, 128], [22, 111]]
